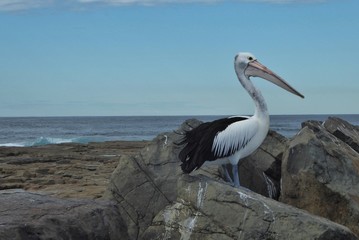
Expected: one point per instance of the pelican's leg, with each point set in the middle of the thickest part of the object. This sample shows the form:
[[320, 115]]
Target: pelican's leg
[[235, 175], [226, 174]]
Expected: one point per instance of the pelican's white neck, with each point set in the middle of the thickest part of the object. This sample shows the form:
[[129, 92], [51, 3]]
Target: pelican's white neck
[[261, 110]]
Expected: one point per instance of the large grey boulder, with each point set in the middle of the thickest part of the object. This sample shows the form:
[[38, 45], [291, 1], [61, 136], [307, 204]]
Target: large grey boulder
[[25, 215], [207, 209], [344, 131], [144, 184], [320, 172]]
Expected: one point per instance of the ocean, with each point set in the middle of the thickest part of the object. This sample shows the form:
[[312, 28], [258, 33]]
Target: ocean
[[35, 131]]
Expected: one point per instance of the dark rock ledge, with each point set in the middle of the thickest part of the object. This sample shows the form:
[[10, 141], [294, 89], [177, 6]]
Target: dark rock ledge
[[25, 215]]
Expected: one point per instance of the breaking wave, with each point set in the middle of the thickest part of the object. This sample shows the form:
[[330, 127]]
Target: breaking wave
[[49, 140]]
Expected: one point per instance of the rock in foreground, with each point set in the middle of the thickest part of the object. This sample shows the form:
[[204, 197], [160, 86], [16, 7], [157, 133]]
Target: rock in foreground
[[320, 172], [206, 209], [25, 215]]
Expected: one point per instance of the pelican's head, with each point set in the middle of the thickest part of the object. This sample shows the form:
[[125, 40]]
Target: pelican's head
[[247, 64]]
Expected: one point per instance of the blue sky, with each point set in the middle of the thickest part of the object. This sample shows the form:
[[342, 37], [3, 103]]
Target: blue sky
[[153, 57]]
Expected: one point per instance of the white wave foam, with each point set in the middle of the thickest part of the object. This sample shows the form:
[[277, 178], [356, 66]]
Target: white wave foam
[[48, 140], [12, 145], [39, 142]]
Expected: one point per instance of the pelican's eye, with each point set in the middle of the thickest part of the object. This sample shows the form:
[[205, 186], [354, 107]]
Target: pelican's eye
[[250, 58]]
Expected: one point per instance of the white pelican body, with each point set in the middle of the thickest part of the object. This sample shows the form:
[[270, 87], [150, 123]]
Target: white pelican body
[[229, 140], [254, 128]]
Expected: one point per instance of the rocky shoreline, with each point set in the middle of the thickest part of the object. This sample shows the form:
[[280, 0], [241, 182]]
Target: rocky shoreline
[[306, 187], [68, 170]]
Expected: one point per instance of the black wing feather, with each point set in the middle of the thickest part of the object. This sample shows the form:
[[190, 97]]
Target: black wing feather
[[198, 143]]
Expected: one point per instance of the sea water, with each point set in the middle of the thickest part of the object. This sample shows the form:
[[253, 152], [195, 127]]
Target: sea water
[[34, 131]]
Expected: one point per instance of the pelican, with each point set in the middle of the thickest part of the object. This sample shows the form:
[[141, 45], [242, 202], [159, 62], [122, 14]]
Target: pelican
[[231, 139]]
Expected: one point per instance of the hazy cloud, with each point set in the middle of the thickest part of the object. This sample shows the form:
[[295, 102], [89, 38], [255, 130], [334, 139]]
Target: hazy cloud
[[17, 5]]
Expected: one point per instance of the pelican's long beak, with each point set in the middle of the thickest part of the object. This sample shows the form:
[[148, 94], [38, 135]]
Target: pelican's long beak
[[256, 69]]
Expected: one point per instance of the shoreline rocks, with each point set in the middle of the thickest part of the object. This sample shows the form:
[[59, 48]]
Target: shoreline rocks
[[64, 170], [136, 190], [320, 172]]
